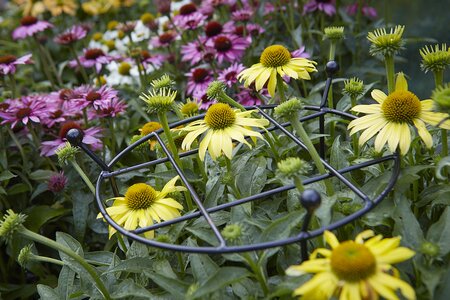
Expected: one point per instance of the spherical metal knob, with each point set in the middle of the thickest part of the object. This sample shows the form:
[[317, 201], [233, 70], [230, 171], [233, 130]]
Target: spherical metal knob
[[75, 136], [332, 68], [310, 199]]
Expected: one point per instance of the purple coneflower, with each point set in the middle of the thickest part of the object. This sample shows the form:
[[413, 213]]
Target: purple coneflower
[[228, 47], [242, 15], [249, 96], [185, 11], [327, 6], [98, 97], [204, 101], [108, 109], [198, 81], [91, 138], [192, 52], [93, 57], [192, 21], [213, 28], [70, 36], [229, 75], [23, 110], [8, 63], [300, 52], [154, 60], [164, 39], [367, 11], [29, 26], [57, 182]]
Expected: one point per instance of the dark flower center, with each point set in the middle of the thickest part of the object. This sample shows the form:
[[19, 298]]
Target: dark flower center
[[4, 106], [145, 54], [231, 75], [323, 1], [57, 114], [66, 37], [239, 30], [166, 38], [92, 96], [28, 20], [7, 59], [66, 127], [213, 28], [93, 53], [222, 44], [188, 9], [65, 94], [23, 112], [199, 75]]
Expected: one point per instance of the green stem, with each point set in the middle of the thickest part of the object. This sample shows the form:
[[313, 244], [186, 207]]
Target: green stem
[[69, 252], [165, 125], [444, 142], [201, 167], [269, 139], [258, 272], [113, 137], [438, 78], [390, 72], [230, 101], [299, 184], [44, 64], [47, 259], [19, 146], [232, 184], [141, 76], [83, 176], [51, 63], [12, 79], [280, 88], [312, 151], [80, 66]]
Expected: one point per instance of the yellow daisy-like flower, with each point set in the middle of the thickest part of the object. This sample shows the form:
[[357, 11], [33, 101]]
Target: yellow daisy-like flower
[[96, 7], [355, 270], [392, 116], [57, 7], [142, 205], [31, 7], [222, 124], [148, 128], [275, 60]]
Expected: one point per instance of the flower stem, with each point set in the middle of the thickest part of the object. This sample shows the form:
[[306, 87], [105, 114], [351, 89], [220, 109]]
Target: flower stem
[[299, 184], [312, 151], [57, 246], [438, 81], [390, 72], [47, 259], [83, 176], [12, 79], [19, 146], [258, 272], [113, 137], [82, 70], [232, 184], [165, 125], [227, 99]]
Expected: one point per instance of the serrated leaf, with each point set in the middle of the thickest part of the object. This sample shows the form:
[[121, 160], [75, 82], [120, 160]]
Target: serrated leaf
[[222, 278]]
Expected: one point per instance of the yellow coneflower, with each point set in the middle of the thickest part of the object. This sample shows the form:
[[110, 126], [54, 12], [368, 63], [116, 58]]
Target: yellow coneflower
[[148, 128], [57, 7]]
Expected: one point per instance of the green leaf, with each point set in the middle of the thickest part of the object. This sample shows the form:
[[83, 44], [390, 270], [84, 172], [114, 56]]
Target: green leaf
[[80, 210], [42, 187], [47, 293], [406, 223], [101, 257], [41, 175], [441, 166], [133, 265], [222, 278], [128, 288], [439, 232], [214, 191], [175, 287], [252, 178], [68, 241], [6, 175], [281, 228], [18, 188], [40, 215], [201, 264], [65, 282]]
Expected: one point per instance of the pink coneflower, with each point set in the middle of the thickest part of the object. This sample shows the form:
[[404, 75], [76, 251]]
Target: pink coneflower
[[155, 60], [249, 96], [192, 52], [108, 109], [98, 97], [204, 101], [327, 6], [242, 15], [29, 26], [71, 101], [192, 21], [8, 63], [254, 29], [229, 75], [91, 138], [55, 113], [93, 57], [367, 11], [70, 36], [229, 47], [164, 39], [198, 81], [23, 110], [185, 11], [57, 182], [300, 52], [127, 27]]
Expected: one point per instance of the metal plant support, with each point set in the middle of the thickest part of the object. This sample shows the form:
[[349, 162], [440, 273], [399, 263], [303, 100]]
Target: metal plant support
[[310, 199]]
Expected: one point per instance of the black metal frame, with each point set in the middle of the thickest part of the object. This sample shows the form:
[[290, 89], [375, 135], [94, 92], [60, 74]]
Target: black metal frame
[[75, 137]]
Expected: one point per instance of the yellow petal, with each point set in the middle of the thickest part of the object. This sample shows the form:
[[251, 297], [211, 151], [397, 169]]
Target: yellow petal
[[363, 236], [367, 109], [400, 83], [170, 202], [331, 239], [309, 266], [204, 145], [423, 133], [382, 137], [378, 96], [190, 138], [262, 78], [371, 131], [272, 82], [405, 138], [323, 282], [395, 256]]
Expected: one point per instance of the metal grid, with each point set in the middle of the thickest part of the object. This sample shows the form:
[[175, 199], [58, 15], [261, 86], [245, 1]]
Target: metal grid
[[75, 137]]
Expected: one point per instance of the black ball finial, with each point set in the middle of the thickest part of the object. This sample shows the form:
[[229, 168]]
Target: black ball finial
[[310, 199], [332, 68], [75, 136]]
